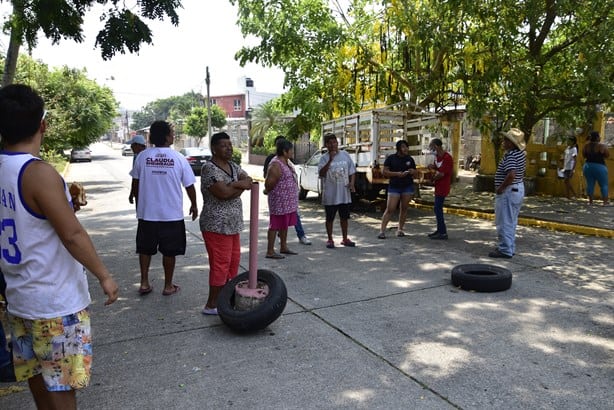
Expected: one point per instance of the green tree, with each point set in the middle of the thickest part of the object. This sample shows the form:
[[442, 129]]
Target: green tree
[[79, 113], [517, 61], [303, 39], [170, 109], [124, 30], [541, 59], [196, 124], [79, 110], [264, 117]]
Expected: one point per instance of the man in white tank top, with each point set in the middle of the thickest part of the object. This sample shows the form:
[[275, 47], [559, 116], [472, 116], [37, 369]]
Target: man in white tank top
[[43, 252]]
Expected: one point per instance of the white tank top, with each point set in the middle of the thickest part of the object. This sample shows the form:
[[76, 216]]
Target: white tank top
[[43, 280]]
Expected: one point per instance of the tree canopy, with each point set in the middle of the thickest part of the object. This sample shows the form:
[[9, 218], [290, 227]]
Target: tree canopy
[[124, 28], [516, 61], [171, 109], [197, 123], [79, 110]]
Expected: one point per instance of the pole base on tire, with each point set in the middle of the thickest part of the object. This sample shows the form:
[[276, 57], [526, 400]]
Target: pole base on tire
[[259, 313], [246, 298]]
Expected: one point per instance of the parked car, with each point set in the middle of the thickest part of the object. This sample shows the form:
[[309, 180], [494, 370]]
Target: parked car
[[80, 154], [308, 176], [196, 156], [126, 150]]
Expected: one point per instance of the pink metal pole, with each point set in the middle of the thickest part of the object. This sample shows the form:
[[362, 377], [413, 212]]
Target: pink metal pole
[[253, 237]]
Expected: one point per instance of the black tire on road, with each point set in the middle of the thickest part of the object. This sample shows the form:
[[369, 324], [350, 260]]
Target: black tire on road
[[481, 277], [262, 315]]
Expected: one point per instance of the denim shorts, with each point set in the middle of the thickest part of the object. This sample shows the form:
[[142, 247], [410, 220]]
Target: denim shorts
[[408, 190]]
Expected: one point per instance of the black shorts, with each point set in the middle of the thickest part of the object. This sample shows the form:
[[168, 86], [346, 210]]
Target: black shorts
[[331, 210], [167, 237]]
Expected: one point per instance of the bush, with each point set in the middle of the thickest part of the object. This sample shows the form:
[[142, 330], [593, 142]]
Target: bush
[[57, 160], [236, 155], [260, 150]]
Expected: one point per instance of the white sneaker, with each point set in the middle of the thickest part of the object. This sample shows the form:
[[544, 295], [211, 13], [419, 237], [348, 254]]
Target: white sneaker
[[209, 311], [304, 240]]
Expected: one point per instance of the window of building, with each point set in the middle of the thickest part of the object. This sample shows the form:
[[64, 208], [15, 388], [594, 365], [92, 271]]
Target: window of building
[[237, 104], [213, 101]]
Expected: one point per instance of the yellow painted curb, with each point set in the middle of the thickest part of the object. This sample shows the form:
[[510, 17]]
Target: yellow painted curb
[[5, 391], [526, 221]]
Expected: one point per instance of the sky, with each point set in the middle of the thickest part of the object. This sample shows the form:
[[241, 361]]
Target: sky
[[207, 35]]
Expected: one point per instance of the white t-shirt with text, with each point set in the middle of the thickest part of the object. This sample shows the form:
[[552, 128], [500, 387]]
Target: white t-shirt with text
[[162, 172]]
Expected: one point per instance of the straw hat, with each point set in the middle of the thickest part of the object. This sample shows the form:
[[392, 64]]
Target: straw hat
[[516, 137]]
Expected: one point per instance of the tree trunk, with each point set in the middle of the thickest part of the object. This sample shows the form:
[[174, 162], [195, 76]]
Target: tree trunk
[[12, 54], [10, 64]]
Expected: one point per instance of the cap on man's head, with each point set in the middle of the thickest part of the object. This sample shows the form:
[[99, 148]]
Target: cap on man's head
[[516, 137], [137, 139]]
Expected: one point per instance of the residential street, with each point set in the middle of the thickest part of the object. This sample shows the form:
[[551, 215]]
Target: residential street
[[378, 326]]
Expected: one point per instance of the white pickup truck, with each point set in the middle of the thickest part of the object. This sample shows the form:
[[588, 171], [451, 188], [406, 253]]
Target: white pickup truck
[[354, 133], [308, 176]]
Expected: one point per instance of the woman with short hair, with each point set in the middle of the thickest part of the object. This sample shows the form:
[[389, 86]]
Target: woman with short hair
[[221, 221]]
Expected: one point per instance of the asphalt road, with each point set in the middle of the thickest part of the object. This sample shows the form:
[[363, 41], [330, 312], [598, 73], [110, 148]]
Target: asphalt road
[[378, 326]]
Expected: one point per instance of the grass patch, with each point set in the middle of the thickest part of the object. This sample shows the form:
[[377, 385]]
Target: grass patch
[[58, 161]]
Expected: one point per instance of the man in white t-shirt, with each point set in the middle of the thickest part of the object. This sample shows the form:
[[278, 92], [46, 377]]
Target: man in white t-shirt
[[157, 177]]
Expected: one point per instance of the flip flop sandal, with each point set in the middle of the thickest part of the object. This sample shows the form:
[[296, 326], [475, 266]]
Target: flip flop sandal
[[145, 291], [275, 256], [289, 252], [176, 289]]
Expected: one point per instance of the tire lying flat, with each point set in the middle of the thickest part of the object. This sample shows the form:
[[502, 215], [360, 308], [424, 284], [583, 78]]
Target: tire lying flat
[[481, 277], [260, 316]]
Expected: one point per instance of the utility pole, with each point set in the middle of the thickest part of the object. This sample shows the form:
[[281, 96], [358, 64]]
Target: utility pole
[[127, 135], [208, 81]]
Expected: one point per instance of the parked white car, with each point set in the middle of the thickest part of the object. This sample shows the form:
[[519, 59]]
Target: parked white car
[[80, 154], [126, 150], [308, 176]]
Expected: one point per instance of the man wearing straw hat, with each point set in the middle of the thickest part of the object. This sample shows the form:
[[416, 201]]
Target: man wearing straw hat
[[509, 186]]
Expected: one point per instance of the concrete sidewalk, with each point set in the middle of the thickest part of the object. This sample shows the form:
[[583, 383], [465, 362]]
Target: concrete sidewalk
[[378, 326], [558, 213]]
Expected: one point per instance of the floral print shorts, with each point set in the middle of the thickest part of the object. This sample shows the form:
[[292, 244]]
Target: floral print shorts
[[59, 349]]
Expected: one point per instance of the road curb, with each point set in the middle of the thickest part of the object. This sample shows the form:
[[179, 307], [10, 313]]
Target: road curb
[[525, 221]]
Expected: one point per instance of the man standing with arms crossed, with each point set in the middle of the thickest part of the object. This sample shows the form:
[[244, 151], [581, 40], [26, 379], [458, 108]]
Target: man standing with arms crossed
[[509, 186], [44, 250], [338, 173], [158, 175]]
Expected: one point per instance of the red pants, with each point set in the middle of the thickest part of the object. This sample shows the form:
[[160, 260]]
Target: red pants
[[224, 257]]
